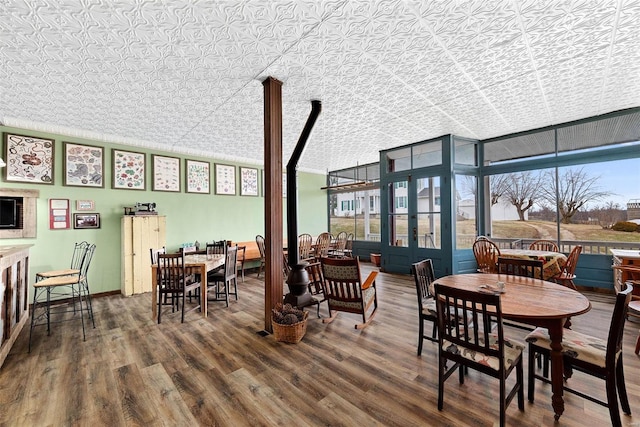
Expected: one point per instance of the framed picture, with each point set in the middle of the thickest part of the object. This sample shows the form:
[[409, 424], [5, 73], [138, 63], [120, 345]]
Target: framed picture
[[166, 173], [128, 170], [86, 220], [83, 165], [85, 205], [198, 176], [225, 179], [28, 159], [58, 214], [248, 181]]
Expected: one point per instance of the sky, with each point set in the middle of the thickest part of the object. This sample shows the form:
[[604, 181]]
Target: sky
[[621, 177]]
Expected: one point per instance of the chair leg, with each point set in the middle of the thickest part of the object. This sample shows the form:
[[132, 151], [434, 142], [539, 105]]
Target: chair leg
[[622, 388], [612, 400], [420, 336], [638, 344], [520, 379], [530, 375], [33, 316], [503, 406]]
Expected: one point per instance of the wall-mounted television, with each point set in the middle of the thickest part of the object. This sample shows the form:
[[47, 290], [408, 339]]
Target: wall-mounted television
[[10, 212]]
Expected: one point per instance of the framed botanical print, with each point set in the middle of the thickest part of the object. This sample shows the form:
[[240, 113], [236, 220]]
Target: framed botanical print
[[28, 159], [225, 179], [129, 168], [248, 181], [83, 165], [166, 173], [198, 176]]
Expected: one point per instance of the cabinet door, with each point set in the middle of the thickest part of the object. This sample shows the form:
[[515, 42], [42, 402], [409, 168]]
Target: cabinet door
[[140, 234]]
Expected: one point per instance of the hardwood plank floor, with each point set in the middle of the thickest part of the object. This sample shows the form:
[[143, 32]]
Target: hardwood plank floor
[[221, 372]]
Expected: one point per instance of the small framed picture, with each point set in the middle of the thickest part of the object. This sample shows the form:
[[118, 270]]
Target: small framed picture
[[85, 205], [28, 159], [248, 181], [225, 179], [198, 176], [83, 165], [129, 168], [166, 173], [86, 220]]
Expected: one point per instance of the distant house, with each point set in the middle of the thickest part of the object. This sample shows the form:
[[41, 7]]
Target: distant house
[[348, 206], [633, 210]]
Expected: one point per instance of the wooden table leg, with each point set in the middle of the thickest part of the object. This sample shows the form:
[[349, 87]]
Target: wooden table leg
[[557, 367], [154, 294], [203, 289]]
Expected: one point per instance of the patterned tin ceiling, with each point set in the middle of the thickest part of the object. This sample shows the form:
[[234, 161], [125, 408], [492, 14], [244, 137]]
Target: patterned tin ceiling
[[186, 76]]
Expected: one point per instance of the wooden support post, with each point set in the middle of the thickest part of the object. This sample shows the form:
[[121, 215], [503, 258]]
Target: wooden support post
[[273, 283]]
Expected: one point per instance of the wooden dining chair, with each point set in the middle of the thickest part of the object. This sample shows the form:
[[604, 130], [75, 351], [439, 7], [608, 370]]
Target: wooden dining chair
[[323, 242], [225, 281], [533, 268], [240, 261], [632, 277], [486, 253], [544, 245], [424, 277], [590, 355], [345, 290], [174, 280], [339, 245], [566, 276], [305, 247], [475, 339], [348, 250]]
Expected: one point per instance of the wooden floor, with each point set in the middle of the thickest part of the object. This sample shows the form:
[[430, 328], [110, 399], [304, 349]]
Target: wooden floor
[[221, 371]]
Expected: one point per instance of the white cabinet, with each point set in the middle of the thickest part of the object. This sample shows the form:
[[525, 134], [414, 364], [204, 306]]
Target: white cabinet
[[139, 234]]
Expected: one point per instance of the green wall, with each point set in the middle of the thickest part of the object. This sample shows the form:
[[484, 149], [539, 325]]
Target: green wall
[[190, 217]]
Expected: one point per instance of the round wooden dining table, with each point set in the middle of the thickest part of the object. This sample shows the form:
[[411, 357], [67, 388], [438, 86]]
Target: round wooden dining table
[[535, 302]]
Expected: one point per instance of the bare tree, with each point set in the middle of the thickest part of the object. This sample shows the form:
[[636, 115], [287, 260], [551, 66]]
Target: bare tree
[[575, 189], [499, 186], [521, 190], [608, 214]]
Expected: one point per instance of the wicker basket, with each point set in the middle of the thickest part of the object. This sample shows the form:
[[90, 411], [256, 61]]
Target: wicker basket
[[290, 333]]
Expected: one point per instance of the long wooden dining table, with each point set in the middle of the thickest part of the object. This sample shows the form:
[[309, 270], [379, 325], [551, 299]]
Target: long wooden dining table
[[198, 263], [535, 302]]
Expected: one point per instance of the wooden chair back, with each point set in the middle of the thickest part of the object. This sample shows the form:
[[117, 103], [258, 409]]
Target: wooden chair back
[[216, 248], [470, 329], [340, 244], [544, 245], [316, 280], [154, 252], [486, 253], [572, 260], [305, 246], [322, 245], [170, 272], [521, 267], [345, 291], [424, 277]]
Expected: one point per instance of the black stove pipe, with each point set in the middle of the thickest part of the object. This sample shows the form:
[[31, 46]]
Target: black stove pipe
[[292, 195]]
